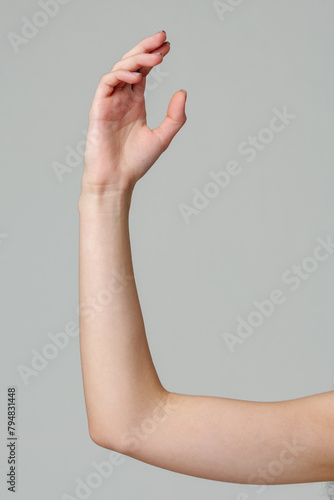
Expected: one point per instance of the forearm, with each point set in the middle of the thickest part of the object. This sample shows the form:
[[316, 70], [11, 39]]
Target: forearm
[[120, 381]]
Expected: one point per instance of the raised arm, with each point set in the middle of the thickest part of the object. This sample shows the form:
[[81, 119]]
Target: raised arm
[[128, 408]]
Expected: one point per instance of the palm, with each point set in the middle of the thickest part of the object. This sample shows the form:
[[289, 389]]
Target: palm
[[129, 143]]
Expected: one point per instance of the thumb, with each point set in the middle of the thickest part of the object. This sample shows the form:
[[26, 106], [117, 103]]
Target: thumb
[[175, 119]]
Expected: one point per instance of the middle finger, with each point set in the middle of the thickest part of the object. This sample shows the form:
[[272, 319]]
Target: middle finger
[[133, 63]]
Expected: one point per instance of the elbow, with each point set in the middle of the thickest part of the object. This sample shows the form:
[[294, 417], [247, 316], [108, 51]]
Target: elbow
[[128, 432], [124, 443], [95, 434], [104, 438]]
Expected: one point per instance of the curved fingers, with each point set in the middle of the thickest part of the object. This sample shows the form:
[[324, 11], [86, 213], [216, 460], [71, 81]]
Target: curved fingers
[[135, 62], [109, 81], [147, 44]]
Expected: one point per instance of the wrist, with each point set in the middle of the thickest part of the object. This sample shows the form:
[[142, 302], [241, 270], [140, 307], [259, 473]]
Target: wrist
[[106, 199]]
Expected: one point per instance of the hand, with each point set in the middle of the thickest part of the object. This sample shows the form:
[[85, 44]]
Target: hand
[[120, 147]]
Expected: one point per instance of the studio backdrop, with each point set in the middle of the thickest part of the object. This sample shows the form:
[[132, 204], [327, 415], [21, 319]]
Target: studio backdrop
[[232, 230]]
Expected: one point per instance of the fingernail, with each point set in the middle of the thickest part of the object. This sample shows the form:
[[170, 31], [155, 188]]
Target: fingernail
[[162, 31], [160, 53], [185, 92]]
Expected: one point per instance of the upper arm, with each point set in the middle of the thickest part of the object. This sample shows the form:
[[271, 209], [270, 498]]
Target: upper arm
[[238, 441]]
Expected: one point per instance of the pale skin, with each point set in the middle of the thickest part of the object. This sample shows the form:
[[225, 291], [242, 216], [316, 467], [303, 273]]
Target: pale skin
[[128, 409]]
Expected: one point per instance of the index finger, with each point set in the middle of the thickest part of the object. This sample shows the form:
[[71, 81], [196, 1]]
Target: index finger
[[147, 44]]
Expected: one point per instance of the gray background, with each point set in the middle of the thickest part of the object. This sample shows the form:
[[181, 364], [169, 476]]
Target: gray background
[[193, 279]]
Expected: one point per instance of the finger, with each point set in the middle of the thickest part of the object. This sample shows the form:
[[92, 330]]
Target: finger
[[139, 87], [175, 119], [147, 44], [164, 49], [137, 61], [109, 81]]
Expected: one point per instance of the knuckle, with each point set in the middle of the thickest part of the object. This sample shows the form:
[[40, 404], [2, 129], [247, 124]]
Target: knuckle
[[115, 66], [104, 77]]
